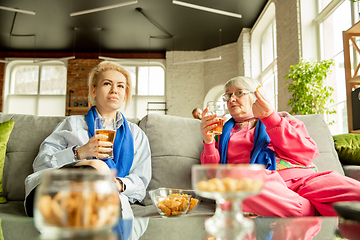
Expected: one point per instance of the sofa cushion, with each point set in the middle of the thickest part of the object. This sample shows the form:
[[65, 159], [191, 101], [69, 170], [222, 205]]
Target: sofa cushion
[[5, 130], [176, 145], [24, 141], [348, 148], [12, 208], [319, 131]]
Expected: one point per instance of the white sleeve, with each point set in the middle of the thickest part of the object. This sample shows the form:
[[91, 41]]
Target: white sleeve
[[139, 176], [56, 150]]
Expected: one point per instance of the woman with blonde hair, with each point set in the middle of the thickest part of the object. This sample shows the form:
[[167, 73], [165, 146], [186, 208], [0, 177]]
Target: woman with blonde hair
[[73, 143]]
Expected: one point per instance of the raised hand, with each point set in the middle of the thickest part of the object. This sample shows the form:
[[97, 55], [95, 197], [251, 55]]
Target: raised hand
[[262, 107]]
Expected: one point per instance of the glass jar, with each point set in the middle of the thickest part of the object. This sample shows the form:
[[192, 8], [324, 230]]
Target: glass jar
[[73, 202]]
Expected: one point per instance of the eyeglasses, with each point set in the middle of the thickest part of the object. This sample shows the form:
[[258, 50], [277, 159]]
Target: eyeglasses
[[237, 94]]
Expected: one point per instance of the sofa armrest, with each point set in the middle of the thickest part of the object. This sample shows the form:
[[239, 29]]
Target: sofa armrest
[[352, 171]]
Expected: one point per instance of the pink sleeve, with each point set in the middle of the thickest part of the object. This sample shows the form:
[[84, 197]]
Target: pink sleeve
[[290, 139], [210, 154]]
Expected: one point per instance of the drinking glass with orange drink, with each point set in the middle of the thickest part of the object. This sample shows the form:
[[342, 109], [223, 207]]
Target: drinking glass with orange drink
[[218, 108], [106, 126]]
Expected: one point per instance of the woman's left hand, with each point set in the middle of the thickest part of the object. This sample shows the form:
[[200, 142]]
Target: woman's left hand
[[262, 107]]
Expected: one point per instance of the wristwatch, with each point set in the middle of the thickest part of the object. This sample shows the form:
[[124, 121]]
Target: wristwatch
[[123, 186], [76, 152]]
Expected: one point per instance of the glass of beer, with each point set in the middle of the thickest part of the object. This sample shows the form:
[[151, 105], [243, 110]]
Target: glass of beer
[[218, 108], [106, 126]]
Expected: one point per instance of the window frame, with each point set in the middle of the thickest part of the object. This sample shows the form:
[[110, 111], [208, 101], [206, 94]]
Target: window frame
[[135, 97], [271, 68], [137, 66], [10, 75], [320, 18]]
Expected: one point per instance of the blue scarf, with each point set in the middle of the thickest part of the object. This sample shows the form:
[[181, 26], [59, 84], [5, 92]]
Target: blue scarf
[[260, 153], [123, 148], [123, 228]]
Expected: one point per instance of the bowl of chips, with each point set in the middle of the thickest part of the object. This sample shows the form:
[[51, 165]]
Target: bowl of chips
[[171, 202]]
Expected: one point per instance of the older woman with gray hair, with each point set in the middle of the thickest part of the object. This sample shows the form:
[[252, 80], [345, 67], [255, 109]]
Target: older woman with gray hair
[[255, 133]]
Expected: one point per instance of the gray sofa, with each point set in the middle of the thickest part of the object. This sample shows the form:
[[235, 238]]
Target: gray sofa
[[176, 144]]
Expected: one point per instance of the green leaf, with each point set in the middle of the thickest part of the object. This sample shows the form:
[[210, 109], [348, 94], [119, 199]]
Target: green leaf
[[308, 90]]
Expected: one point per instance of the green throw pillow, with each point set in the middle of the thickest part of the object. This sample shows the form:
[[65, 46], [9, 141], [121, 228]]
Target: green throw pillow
[[5, 130], [348, 148], [1, 233]]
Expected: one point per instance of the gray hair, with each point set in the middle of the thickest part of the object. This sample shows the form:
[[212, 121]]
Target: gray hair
[[246, 83]]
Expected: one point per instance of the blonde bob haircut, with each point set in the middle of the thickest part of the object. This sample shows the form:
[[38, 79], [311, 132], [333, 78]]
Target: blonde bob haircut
[[104, 66], [245, 83]]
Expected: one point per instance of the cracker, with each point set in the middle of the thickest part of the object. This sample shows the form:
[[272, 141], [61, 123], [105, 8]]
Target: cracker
[[175, 204], [227, 185], [79, 208]]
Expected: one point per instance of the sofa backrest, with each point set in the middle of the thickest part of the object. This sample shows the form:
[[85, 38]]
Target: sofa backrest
[[176, 145], [28, 133], [319, 131], [23, 145]]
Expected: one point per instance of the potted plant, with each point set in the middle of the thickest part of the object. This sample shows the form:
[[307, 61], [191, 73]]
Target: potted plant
[[310, 95]]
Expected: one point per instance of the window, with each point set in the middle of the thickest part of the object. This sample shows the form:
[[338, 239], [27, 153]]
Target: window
[[264, 54], [35, 88], [331, 42], [148, 90], [268, 46], [268, 76]]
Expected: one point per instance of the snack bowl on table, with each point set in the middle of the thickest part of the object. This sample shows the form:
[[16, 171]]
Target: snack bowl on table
[[74, 203], [228, 185], [171, 202], [195, 199], [227, 181]]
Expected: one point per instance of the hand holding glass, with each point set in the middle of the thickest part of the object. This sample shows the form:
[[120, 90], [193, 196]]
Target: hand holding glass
[[106, 126], [218, 108]]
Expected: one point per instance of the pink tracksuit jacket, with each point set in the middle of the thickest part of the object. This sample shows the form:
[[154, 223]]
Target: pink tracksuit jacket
[[295, 189]]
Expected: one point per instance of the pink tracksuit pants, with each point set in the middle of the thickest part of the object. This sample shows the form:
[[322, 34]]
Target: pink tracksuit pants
[[301, 196]]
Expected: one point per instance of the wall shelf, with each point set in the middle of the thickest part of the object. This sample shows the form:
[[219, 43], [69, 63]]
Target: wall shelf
[[352, 80], [77, 108]]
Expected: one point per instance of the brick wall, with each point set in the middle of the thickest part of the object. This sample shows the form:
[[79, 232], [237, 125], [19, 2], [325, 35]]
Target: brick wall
[[2, 77], [184, 86], [77, 76], [288, 45], [244, 53], [218, 72], [187, 84]]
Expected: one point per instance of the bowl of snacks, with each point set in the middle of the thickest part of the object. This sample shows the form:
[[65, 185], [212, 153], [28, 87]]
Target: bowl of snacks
[[71, 203], [171, 202], [219, 181], [195, 199], [229, 185]]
